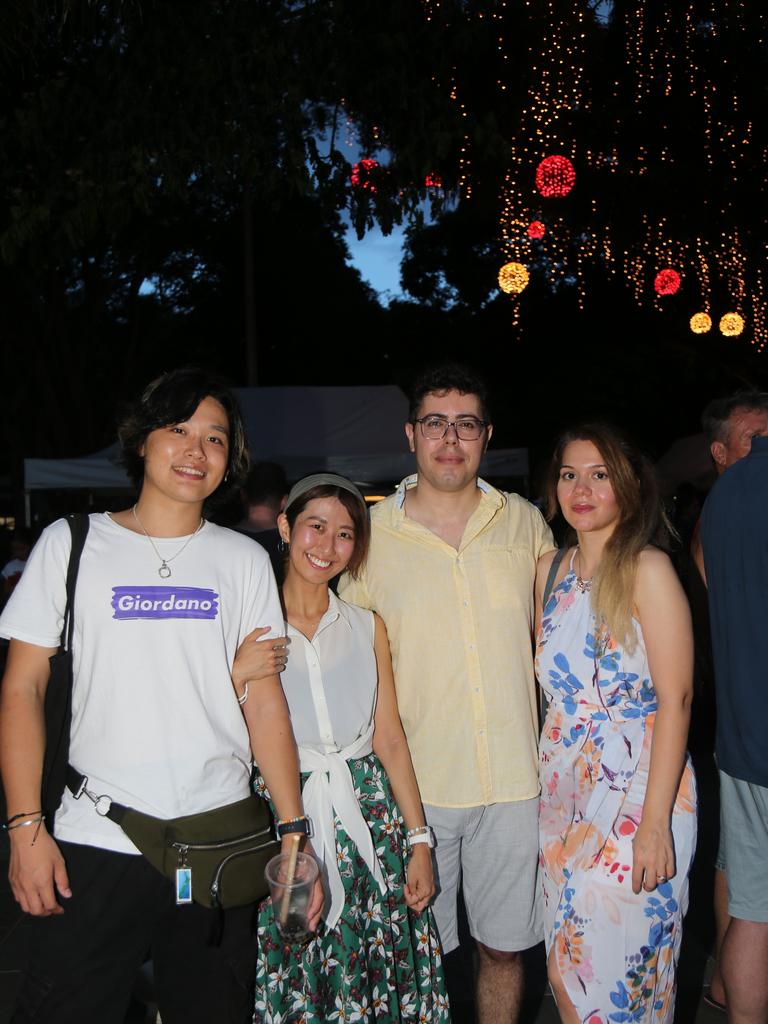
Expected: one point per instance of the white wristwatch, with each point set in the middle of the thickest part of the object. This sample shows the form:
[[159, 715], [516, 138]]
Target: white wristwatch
[[424, 835]]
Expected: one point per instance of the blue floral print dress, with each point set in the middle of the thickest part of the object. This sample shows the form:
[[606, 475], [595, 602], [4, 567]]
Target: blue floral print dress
[[617, 952]]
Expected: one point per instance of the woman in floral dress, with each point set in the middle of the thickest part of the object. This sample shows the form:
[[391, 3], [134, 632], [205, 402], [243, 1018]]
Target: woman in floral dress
[[618, 795], [376, 956]]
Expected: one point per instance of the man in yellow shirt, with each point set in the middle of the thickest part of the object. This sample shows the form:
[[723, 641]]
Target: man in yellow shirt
[[451, 571]]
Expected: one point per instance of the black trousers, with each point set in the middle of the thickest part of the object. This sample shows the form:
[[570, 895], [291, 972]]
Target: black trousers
[[81, 965]]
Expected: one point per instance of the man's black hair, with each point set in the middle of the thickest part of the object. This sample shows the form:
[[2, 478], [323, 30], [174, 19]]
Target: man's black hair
[[442, 377], [714, 419], [173, 398]]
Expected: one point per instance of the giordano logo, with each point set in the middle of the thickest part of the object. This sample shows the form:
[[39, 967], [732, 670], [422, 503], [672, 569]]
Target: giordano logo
[[164, 603]]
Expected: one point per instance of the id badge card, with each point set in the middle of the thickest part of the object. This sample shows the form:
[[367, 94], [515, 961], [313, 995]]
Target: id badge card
[[183, 885]]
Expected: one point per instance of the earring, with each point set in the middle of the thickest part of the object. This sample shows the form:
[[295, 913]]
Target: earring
[[226, 476], [282, 547]]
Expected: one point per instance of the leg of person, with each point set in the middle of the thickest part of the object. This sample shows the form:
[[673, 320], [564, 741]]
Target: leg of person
[[722, 923], [744, 961], [448, 826], [198, 980], [744, 955], [499, 863], [82, 964]]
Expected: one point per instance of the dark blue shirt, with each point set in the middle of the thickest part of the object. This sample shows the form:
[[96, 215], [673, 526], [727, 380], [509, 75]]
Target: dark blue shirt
[[734, 535]]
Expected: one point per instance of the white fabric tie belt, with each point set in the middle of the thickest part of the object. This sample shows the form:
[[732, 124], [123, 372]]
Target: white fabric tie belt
[[329, 791]]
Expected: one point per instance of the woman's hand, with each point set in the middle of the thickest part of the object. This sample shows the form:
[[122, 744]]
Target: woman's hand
[[420, 887], [257, 659], [653, 857], [317, 897]]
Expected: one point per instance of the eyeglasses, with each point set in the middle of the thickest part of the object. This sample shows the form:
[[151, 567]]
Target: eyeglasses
[[468, 428]]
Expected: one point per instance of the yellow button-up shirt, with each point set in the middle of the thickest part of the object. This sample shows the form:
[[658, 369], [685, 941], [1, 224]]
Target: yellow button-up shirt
[[460, 625]]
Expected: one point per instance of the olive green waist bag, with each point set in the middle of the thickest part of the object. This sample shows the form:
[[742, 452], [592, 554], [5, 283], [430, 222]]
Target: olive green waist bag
[[216, 858]]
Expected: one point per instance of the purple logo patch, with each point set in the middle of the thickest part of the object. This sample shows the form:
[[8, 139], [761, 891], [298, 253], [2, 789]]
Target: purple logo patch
[[164, 603]]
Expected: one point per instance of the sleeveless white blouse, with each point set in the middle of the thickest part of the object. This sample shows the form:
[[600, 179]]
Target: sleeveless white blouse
[[330, 681], [330, 684]]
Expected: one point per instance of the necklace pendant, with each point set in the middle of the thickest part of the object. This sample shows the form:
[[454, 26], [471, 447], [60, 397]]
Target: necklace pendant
[[164, 571]]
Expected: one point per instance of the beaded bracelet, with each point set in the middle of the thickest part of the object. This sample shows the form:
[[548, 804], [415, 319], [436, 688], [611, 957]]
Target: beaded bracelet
[[419, 830], [285, 826]]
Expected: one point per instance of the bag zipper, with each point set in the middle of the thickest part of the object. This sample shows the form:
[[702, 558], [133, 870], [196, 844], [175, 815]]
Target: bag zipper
[[219, 844], [216, 883]]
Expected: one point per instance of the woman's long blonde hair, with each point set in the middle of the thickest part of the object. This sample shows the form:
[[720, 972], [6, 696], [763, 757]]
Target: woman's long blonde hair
[[642, 521]]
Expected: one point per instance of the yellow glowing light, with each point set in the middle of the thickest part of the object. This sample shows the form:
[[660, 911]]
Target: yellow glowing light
[[513, 277], [701, 323], [731, 325]]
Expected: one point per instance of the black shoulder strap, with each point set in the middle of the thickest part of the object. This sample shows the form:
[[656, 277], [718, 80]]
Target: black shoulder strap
[[78, 525], [551, 576]]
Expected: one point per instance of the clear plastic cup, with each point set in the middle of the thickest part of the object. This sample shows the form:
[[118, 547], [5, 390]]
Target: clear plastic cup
[[290, 897]]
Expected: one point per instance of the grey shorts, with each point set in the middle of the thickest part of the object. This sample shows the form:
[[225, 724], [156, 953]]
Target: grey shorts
[[744, 843], [493, 852]]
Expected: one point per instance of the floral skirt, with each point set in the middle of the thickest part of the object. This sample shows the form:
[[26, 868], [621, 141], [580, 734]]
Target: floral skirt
[[381, 962]]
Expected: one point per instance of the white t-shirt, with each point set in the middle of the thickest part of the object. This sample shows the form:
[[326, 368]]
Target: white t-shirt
[[155, 720]]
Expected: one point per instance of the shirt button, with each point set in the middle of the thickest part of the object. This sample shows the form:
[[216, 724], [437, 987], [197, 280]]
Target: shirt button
[[466, 604]]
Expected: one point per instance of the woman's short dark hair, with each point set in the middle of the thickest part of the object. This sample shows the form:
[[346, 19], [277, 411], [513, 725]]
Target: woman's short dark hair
[[173, 398], [357, 512]]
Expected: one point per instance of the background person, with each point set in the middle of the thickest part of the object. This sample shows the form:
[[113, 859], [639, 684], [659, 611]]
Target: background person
[[734, 533], [729, 423], [155, 722], [376, 955], [264, 494], [618, 796], [21, 545], [451, 571]]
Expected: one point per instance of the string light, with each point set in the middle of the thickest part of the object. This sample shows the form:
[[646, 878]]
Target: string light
[[362, 172], [555, 177], [701, 323], [677, 64], [666, 282], [513, 278], [731, 325]]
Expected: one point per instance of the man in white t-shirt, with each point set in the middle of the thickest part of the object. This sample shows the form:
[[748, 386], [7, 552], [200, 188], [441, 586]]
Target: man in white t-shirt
[[163, 600]]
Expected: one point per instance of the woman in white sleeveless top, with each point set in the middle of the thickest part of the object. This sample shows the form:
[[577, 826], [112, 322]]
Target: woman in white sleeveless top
[[376, 955]]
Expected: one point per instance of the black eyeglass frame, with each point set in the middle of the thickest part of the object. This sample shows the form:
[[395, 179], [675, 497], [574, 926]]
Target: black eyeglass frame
[[482, 424]]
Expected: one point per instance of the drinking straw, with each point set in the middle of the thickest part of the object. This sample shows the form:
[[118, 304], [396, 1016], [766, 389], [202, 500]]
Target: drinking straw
[[290, 873]]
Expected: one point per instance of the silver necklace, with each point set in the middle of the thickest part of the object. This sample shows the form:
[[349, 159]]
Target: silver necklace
[[165, 570], [584, 586]]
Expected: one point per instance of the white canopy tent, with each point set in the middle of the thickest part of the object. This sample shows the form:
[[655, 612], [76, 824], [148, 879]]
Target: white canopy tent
[[355, 431]]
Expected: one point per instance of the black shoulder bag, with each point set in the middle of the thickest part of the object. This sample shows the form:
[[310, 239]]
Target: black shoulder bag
[[58, 695]]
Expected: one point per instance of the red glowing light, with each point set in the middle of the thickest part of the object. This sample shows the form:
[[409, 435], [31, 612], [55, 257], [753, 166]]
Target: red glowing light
[[555, 177], [667, 281], [362, 172], [433, 181], [536, 229]]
